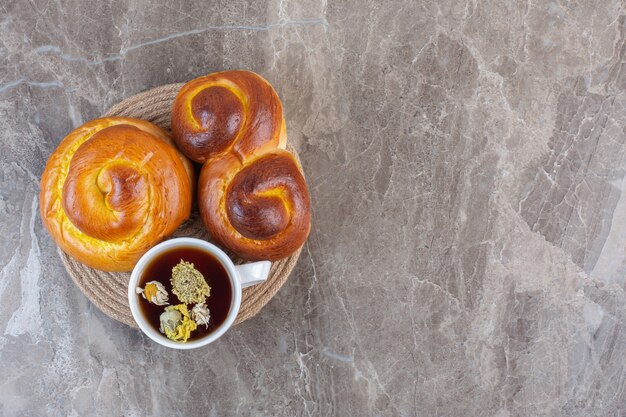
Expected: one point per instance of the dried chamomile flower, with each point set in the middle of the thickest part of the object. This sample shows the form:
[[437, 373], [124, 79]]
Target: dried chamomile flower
[[189, 284], [201, 314], [154, 292], [169, 321], [176, 323]]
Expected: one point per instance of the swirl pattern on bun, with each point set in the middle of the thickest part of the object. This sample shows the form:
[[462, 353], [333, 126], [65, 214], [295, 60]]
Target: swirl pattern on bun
[[114, 188], [252, 194]]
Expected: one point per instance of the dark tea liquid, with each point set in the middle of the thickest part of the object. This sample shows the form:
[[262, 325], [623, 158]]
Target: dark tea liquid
[[160, 269]]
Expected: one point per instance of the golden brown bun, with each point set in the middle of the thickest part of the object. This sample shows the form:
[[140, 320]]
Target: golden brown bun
[[114, 188], [251, 194]]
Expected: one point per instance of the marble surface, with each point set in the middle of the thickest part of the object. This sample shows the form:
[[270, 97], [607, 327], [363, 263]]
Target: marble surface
[[466, 163]]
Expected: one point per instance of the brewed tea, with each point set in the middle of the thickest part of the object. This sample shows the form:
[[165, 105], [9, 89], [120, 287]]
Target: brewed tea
[[221, 294]]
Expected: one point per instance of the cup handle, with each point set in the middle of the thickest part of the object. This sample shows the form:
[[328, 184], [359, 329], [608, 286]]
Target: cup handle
[[253, 273]]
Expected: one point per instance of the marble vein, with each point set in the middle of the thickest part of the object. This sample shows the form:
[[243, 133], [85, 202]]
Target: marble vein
[[283, 23], [39, 84]]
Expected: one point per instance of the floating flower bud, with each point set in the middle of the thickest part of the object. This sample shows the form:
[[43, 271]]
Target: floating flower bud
[[201, 314], [154, 292], [189, 284], [169, 321], [176, 323]]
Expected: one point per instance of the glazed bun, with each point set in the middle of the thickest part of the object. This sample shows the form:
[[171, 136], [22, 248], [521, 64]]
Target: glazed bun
[[114, 188], [251, 194]]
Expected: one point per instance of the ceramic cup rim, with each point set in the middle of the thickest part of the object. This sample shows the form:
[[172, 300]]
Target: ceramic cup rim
[[133, 299]]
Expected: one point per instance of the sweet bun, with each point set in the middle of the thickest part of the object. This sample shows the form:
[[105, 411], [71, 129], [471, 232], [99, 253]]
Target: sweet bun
[[114, 188], [251, 193]]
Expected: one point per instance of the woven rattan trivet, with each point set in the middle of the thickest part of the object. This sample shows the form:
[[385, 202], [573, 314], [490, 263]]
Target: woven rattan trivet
[[108, 290]]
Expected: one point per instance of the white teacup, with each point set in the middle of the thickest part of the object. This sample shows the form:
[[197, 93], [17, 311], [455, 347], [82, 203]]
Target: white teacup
[[241, 276]]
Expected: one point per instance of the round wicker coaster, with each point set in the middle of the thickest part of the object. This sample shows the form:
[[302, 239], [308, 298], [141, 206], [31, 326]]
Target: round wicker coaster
[[108, 290]]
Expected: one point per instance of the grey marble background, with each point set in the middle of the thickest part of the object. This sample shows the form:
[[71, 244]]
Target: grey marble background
[[466, 162]]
